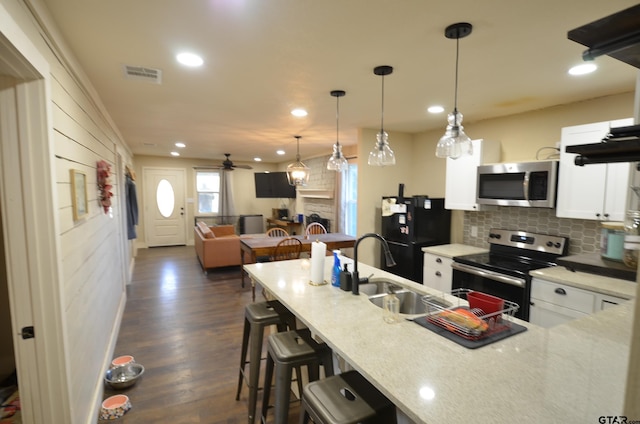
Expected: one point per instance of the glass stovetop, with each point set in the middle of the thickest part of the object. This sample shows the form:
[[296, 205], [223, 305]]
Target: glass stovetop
[[503, 263]]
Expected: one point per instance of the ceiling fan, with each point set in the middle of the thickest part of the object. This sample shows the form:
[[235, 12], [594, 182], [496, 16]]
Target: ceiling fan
[[227, 164]]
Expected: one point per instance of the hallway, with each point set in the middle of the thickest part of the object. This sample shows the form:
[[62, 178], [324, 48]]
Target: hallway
[[186, 329]]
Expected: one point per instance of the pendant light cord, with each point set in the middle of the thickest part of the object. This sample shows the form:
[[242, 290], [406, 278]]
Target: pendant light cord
[[455, 98], [382, 109], [337, 119]]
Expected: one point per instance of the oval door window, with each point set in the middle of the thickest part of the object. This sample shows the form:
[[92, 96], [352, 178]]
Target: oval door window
[[165, 198]]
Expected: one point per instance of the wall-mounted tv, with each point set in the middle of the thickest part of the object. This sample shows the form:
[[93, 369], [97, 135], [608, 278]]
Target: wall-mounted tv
[[273, 184]]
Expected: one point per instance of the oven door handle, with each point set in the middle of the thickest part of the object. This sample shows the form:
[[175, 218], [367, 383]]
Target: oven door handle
[[489, 274]]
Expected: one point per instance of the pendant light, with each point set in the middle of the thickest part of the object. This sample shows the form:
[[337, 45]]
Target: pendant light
[[298, 172], [382, 155], [455, 143], [337, 161]]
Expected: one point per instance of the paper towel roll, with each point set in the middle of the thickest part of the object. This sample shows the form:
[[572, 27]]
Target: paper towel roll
[[318, 254]]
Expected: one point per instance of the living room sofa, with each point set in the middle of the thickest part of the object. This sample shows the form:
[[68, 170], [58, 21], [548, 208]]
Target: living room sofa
[[216, 246]]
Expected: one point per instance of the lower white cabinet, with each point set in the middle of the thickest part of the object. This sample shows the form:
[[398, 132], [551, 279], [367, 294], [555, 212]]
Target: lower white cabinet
[[553, 303], [437, 272], [603, 302]]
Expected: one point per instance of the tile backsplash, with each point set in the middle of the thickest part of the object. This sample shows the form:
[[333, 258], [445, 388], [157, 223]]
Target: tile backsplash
[[584, 235]]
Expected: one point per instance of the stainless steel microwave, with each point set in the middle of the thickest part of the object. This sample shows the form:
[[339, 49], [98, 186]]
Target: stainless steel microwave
[[525, 184]]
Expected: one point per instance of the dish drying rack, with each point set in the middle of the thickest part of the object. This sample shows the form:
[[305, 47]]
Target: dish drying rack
[[438, 309]]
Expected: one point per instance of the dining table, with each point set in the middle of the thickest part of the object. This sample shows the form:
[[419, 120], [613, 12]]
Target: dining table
[[252, 248]]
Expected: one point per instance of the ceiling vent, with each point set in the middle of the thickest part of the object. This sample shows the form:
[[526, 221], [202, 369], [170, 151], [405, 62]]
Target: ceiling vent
[[141, 73]]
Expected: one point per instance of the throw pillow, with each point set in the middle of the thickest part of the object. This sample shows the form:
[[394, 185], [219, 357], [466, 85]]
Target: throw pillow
[[205, 230]]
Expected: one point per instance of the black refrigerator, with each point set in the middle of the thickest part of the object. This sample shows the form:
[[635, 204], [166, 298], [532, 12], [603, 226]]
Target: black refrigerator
[[408, 225]]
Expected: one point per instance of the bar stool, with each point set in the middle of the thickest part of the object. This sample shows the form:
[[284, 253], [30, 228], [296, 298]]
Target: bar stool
[[285, 351], [258, 316], [346, 398]]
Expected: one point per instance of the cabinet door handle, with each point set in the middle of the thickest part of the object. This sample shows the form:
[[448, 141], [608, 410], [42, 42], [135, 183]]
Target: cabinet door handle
[[438, 260], [561, 291], [438, 274]]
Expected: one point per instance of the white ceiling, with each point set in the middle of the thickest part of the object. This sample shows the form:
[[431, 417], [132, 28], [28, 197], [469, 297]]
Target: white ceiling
[[266, 57]]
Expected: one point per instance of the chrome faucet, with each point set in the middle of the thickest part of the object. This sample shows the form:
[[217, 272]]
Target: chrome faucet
[[355, 277]]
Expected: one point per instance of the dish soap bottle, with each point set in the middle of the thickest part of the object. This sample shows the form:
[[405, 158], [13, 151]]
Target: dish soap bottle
[[345, 279], [335, 272]]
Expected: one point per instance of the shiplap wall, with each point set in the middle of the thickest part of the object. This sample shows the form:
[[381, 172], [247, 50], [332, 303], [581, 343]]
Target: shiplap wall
[[90, 247], [90, 255]]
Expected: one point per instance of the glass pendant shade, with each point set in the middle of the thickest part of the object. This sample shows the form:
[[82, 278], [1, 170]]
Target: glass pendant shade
[[337, 162], [454, 143], [297, 172], [382, 155]]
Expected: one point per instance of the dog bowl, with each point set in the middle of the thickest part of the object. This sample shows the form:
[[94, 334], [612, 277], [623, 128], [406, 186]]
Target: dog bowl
[[114, 407], [124, 376], [122, 360]]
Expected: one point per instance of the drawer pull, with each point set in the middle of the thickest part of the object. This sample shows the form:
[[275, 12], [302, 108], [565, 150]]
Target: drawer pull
[[438, 274], [561, 291], [438, 260]]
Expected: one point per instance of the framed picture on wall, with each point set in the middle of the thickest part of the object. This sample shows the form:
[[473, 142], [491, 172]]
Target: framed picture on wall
[[79, 194]]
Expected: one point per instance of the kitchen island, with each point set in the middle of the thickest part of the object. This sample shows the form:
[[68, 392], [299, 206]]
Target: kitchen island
[[573, 373]]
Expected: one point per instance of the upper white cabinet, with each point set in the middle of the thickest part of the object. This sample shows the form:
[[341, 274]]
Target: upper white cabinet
[[462, 176], [597, 191]]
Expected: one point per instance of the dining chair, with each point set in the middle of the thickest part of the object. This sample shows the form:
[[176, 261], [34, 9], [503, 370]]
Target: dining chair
[[277, 232], [288, 248], [315, 228]]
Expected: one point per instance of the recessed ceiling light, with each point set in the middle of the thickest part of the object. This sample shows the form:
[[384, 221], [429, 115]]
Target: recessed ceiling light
[[175, 154], [435, 109], [299, 112], [582, 69], [180, 144], [257, 159], [280, 152], [190, 59]]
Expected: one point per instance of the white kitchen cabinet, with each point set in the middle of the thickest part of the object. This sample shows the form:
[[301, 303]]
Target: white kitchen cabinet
[[554, 303], [597, 191], [604, 301], [462, 176], [547, 315], [437, 272]]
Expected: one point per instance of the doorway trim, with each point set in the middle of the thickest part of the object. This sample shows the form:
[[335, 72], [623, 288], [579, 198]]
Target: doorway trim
[[27, 187]]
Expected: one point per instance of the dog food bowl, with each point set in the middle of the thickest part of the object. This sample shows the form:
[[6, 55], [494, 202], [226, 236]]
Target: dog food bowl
[[122, 360], [114, 407], [124, 376]]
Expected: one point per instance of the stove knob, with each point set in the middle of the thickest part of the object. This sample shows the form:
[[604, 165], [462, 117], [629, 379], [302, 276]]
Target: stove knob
[[549, 244], [558, 245]]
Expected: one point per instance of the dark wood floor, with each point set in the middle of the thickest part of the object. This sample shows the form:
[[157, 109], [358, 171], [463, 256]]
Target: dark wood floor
[[186, 329]]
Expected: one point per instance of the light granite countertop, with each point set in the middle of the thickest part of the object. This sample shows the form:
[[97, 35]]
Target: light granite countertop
[[587, 281], [453, 250], [572, 373]]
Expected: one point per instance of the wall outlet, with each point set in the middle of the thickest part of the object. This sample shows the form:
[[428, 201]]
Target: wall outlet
[[474, 231]]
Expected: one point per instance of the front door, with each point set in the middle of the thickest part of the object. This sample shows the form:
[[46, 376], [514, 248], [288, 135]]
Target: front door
[[164, 190]]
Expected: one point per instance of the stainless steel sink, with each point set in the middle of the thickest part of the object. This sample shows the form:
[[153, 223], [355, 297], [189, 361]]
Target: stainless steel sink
[[379, 286], [410, 302]]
